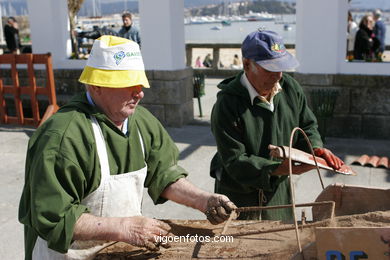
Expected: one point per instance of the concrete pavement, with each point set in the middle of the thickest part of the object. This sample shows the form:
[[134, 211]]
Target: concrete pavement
[[197, 147]]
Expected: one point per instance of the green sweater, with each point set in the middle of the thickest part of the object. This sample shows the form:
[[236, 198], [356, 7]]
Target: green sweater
[[243, 132], [62, 167]]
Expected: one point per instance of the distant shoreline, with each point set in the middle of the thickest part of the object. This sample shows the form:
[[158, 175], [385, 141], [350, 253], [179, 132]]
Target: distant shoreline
[[225, 56]]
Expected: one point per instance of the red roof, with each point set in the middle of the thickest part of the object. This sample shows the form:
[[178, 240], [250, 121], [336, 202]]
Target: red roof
[[373, 161]]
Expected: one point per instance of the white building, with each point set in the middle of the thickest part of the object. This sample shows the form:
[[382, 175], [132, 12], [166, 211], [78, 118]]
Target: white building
[[320, 38]]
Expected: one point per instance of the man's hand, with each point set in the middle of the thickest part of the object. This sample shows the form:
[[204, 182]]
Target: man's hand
[[219, 208], [143, 232], [138, 231], [333, 161]]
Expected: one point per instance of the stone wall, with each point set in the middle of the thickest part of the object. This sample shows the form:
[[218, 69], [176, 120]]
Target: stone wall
[[362, 109], [169, 98]]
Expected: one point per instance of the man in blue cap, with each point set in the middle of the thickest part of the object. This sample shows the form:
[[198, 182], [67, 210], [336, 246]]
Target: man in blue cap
[[258, 107]]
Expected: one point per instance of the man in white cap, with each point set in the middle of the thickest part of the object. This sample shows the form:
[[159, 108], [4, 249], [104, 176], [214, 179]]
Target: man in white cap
[[87, 165], [258, 107]]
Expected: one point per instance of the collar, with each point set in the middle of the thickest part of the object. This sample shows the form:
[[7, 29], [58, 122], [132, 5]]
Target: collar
[[89, 98], [124, 127], [253, 93]]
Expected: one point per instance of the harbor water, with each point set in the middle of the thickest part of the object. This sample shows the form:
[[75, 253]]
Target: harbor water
[[236, 31]]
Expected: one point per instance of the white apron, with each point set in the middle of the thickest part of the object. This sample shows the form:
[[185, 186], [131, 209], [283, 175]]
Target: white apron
[[117, 196]]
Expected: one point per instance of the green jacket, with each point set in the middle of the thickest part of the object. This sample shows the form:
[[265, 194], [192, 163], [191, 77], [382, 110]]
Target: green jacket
[[62, 167], [243, 132]]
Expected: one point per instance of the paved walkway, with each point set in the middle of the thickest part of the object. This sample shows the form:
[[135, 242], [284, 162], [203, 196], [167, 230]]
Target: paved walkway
[[197, 147]]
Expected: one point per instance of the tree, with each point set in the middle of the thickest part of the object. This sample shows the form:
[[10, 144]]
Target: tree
[[73, 9]]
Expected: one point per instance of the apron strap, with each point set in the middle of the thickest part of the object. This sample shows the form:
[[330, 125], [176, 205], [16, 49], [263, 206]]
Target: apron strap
[[142, 143], [101, 148]]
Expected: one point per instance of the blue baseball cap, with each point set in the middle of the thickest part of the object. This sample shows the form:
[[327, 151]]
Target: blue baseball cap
[[267, 49]]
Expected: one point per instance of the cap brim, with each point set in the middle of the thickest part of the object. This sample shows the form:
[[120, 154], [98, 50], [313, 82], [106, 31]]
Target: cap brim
[[284, 63], [113, 78]]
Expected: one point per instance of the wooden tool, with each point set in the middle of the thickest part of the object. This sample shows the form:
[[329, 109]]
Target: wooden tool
[[299, 156]]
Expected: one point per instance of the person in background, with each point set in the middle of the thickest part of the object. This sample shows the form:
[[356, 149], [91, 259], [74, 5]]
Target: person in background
[[351, 34], [78, 32], [128, 30], [208, 62], [198, 63], [258, 107], [11, 34], [236, 62], [380, 33], [365, 42], [88, 164]]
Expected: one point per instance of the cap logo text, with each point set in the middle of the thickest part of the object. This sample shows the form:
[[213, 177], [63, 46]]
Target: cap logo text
[[278, 47], [118, 57]]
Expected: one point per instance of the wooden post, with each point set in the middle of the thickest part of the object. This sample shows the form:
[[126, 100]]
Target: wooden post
[[215, 58], [188, 56]]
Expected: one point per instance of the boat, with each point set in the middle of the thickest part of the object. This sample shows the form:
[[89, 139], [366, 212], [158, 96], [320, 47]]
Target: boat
[[287, 27], [226, 22], [263, 16], [200, 20], [216, 28]]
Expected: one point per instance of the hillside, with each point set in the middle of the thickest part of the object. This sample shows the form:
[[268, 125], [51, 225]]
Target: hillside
[[270, 6]]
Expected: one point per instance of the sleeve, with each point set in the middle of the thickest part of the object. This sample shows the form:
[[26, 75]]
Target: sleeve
[[233, 154], [351, 34], [307, 122], [120, 33], [161, 157], [16, 38], [138, 38], [379, 31], [50, 203]]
